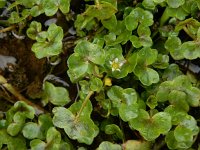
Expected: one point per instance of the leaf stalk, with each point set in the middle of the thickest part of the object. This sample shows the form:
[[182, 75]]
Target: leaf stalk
[[84, 104]]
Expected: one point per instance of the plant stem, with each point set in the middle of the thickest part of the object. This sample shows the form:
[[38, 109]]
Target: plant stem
[[188, 33], [7, 29], [165, 16], [84, 104], [12, 90]]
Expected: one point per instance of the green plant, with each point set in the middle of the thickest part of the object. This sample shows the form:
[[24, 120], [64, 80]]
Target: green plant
[[131, 89]]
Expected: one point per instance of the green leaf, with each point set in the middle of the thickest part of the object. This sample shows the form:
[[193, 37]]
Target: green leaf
[[41, 36], [135, 41], [190, 50], [193, 94], [178, 13], [12, 142], [183, 134], [164, 90], [45, 122], [83, 22], [149, 4], [53, 141], [177, 114], [105, 145], [125, 100], [77, 67], [96, 84], [173, 144], [146, 41], [110, 23], [171, 72], [137, 145], [52, 45], [190, 123], [14, 128], [25, 3], [90, 52], [131, 22], [85, 88], [64, 6], [152, 102], [178, 99], [175, 3], [37, 10], [151, 127], [162, 62], [114, 129], [75, 107], [147, 18], [55, 33], [147, 76], [180, 83], [132, 60], [53, 136], [34, 29], [147, 56], [16, 18], [128, 112], [110, 38], [21, 110], [42, 49], [83, 129], [172, 42], [31, 130], [101, 11], [62, 117], [51, 8], [37, 144], [56, 95], [143, 30], [158, 1]]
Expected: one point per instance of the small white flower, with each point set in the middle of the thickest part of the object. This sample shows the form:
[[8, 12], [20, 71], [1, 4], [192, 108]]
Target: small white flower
[[116, 65]]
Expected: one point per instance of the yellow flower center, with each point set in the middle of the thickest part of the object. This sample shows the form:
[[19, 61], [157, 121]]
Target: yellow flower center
[[115, 65]]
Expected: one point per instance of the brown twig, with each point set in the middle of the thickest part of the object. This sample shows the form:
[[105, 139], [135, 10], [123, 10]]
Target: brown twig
[[13, 91]]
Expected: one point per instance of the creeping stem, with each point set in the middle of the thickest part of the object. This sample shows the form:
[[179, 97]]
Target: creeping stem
[[13, 91], [7, 29]]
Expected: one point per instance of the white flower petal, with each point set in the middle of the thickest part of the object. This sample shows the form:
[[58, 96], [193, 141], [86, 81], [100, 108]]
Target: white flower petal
[[113, 69], [118, 69], [116, 60]]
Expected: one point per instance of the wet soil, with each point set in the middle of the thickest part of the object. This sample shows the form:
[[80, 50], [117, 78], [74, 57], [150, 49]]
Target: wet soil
[[28, 72]]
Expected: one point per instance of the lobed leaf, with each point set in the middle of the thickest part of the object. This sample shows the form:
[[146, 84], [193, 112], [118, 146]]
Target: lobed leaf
[[56, 95], [84, 130], [52, 45], [151, 127]]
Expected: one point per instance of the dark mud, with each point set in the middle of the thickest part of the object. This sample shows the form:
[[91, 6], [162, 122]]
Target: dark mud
[[27, 73]]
